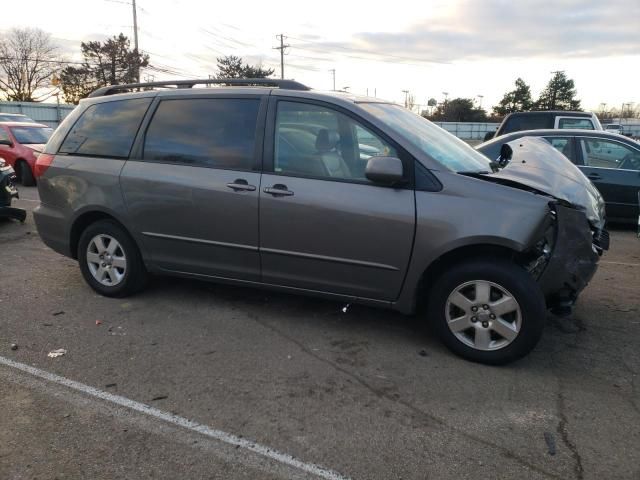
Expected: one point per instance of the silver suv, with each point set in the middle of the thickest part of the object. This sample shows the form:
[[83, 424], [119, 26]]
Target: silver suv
[[266, 183]]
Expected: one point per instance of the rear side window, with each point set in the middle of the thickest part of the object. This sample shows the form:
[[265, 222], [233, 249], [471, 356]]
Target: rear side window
[[106, 129], [533, 121], [212, 132], [3, 134], [581, 123]]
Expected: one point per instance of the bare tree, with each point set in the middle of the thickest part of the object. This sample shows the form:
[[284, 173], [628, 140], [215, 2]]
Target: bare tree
[[411, 101], [28, 61]]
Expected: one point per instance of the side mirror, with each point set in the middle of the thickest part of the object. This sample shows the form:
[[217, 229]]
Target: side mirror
[[7, 142], [384, 170], [506, 154]]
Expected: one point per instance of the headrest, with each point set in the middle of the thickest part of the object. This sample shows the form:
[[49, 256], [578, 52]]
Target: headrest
[[326, 140]]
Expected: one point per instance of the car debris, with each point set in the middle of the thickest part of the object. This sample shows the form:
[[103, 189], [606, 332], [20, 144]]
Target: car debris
[[60, 312], [57, 353], [8, 192]]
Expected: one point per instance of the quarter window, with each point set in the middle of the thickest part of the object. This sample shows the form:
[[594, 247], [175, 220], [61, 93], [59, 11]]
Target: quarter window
[[214, 133], [106, 129], [606, 154], [3, 134], [316, 141]]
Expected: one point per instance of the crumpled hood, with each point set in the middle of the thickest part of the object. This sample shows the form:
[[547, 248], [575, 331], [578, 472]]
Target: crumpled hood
[[36, 147], [536, 164]]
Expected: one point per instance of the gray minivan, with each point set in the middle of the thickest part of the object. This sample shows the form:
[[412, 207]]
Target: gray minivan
[[266, 183]]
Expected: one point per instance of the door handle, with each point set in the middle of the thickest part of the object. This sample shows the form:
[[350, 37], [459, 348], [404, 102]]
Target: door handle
[[594, 176], [241, 184], [278, 190]]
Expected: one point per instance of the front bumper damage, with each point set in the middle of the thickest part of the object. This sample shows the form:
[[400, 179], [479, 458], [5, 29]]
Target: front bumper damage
[[8, 192], [573, 259]]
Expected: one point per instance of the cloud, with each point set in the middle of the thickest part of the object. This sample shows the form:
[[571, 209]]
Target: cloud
[[506, 29]]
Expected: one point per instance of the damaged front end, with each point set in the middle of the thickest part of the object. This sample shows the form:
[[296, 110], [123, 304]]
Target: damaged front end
[[565, 259], [8, 192], [565, 255]]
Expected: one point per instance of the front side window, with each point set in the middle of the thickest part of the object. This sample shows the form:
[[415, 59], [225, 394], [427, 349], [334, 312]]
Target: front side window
[[106, 129], [315, 141], [209, 132], [580, 123], [31, 135], [607, 154]]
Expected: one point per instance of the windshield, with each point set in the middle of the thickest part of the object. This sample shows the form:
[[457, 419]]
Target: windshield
[[446, 149], [30, 135]]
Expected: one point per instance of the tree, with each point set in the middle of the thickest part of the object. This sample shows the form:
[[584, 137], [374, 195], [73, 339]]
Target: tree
[[459, 110], [28, 61], [559, 94], [517, 100], [233, 67], [112, 62]]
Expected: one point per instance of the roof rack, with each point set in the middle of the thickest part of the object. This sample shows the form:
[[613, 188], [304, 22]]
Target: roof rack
[[285, 84]]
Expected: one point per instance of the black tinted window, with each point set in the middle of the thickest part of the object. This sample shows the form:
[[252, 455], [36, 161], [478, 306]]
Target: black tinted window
[[106, 129], [534, 121], [215, 132]]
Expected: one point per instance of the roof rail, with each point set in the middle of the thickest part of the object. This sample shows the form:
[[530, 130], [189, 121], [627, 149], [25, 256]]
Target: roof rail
[[285, 84]]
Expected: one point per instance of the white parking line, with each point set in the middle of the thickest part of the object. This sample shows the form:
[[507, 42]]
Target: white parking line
[[219, 435]]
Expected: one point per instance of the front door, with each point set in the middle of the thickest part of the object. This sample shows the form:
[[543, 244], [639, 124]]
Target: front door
[[192, 187], [614, 168], [323, 225]]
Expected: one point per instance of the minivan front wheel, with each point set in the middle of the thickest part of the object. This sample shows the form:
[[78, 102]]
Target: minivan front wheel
[[488, 311], [110, 261]]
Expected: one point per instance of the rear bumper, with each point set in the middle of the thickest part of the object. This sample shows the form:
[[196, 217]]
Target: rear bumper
[[573, 262], [51, 228]]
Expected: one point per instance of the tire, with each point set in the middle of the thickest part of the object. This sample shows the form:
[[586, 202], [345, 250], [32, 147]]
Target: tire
[[487, 339], [121, 267], [26, 175]]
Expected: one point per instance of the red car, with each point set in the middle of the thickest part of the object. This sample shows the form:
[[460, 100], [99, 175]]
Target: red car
[[20, 145]]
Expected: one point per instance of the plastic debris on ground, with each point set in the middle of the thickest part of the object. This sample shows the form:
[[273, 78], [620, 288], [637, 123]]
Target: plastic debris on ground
[[57, 353]]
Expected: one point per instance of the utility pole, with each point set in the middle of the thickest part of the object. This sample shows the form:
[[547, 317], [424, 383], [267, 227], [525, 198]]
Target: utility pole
[[406, 98], [135, 39], [333, 72], [281, 48]]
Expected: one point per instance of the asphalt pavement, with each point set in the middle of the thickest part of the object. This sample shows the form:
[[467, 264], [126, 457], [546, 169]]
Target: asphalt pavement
[[196, 380]]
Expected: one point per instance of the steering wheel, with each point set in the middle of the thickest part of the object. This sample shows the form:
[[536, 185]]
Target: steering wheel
[[631, 161]]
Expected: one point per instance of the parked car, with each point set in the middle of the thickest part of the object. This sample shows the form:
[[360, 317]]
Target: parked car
[[609, 160], [226, 184], [8, 192], [20, 144], [556, 119], [15, 117]]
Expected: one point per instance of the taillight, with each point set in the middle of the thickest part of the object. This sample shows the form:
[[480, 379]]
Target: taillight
[[42, 163]]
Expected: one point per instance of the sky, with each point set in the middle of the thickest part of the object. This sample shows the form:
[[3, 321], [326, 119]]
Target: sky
[[467, 48]]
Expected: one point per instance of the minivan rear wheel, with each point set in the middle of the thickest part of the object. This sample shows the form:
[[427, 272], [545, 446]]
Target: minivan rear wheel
[[488, 311], [110, 261]]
